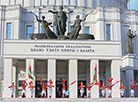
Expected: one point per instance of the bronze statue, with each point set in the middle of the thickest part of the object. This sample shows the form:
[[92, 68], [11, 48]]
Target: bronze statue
[[45, 26], [60, 23], [130, 38], [60, 20], [77, 27]]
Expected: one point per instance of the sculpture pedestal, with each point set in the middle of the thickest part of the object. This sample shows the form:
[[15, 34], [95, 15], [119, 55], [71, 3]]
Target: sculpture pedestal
[[37, 36], [127, 72]]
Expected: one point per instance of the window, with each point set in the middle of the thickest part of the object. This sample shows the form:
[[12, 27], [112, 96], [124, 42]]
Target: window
[[8, 35], [86, 3], [29, 30], [20, 83], [87, 30], [108, 32], [71, 28], [42, 31]]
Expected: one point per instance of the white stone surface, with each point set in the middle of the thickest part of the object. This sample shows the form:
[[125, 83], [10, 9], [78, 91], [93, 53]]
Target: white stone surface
[[62, 49], [31, 63], [73, 75], [95, 88], [52, 75], [7, 77], [115, 74], [112, 3], [71, 100], [104, 12]]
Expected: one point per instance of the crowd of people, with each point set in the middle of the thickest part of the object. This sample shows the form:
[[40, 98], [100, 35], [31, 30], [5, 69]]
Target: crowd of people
[[65, 91]]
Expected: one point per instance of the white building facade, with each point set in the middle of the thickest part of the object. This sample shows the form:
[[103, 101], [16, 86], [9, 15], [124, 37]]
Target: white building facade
[[67, 59]]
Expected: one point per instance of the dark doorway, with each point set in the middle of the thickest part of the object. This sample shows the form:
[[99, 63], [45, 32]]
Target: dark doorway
[[38, 89], [59, 89]]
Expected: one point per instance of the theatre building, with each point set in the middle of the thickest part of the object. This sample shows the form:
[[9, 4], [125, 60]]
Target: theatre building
[[68, 60]]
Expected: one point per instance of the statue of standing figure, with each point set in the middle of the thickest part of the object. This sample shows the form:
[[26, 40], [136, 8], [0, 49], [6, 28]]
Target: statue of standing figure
[[45, 25], [130, 45], [77, 27], [60, 20]]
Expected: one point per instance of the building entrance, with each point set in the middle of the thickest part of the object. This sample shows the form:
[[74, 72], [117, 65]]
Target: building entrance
[[59, 89], [38, 88]]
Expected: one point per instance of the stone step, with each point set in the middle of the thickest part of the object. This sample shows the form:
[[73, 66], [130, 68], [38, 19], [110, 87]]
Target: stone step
[[69, 100]]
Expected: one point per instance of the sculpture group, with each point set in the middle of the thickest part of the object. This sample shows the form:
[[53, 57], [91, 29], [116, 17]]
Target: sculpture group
[[60, 24]]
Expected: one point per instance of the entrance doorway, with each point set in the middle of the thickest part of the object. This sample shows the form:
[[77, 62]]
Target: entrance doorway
[[59, 89], [38, 89]]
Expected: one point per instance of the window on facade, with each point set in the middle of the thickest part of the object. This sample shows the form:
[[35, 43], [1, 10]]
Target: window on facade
[[42, 31], [108, 32], [8, 36], [87, 30], [29, 30], [71, 28], [86, 3]]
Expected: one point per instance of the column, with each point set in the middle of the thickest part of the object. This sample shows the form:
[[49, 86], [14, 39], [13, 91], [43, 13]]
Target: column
[[99, 2], [95, 88], [51, 2], [115, 74], [45, 2], [52, 75], [0, 83], [26, 2], [129, 74], [7, 77], [81, 2], [14, 78], [29, 62], [72, 2], [100, 34], [73, 75], [66, 2], [87, 75]]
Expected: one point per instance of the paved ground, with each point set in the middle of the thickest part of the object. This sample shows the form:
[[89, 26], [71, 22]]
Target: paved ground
[[68, 100]]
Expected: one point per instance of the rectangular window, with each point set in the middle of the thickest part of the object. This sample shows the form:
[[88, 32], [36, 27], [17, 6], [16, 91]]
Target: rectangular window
[[87, 30], [8, 35], [86, 3], [29, 30], [42, 31], [71, 28], [108, 32]]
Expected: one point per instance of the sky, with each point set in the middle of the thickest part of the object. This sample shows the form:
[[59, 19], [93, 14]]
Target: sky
[[134, 4]]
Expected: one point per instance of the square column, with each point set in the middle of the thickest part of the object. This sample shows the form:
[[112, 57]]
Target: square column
[[129, 74], [7, 77], [14, 79], [29, 62], [73, 75], [0, 83], [115, 74], [52, 75], [95, 88]]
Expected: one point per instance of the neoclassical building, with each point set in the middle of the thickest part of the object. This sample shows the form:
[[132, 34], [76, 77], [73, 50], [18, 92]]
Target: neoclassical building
[[67, 59]]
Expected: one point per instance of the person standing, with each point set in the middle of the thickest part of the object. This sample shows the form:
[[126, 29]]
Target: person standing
[[64, 89], [103, 90], [24, 84], [81, 87], [132, 89], [43, 86], [12, 89], [89, 90], [122, 90], [50, 87], [31, 88]]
